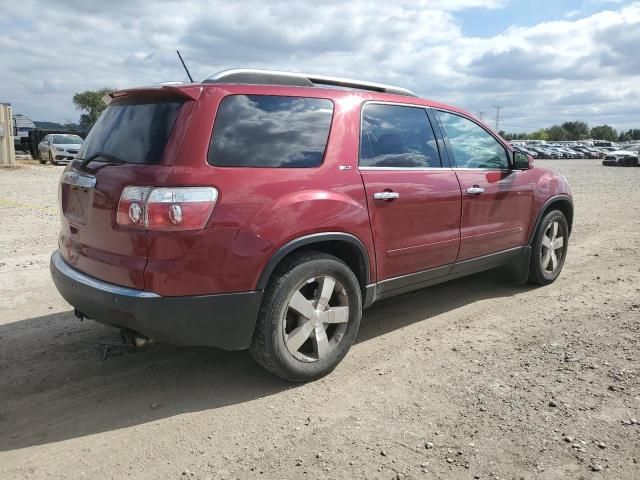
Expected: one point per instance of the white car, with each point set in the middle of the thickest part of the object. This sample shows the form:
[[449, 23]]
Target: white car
[[626, 156], [59, 147]]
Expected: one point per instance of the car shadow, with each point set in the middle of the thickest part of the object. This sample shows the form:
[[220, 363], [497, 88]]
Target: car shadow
[[54, 387]]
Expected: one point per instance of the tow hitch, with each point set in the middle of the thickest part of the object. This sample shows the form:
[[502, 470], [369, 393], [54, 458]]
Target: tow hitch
[[131, 342]]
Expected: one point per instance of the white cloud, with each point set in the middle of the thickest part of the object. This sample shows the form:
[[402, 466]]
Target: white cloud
[[583, 68]]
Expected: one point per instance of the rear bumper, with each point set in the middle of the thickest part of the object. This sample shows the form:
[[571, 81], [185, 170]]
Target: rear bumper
[[226, 320]]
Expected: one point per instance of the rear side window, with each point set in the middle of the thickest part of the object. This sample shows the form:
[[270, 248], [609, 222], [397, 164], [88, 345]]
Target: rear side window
[[397, 136], [132, 131], [270, 131]]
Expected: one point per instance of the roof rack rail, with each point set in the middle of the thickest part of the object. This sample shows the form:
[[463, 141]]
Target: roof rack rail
[[275, 77]]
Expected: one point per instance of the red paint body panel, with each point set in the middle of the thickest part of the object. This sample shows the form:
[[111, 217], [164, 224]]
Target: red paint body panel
[[497, 219], [92, 242], [419, 230], [261, 209], [265, 207], [547, 185]]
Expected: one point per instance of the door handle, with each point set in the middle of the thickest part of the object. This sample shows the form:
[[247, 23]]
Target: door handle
[[475, 190], [386, 195]]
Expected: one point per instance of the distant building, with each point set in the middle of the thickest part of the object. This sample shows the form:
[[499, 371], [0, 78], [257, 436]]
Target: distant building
[[22, 125]]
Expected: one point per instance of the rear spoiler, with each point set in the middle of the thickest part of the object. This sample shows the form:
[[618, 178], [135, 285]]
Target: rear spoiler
[[186, 91]]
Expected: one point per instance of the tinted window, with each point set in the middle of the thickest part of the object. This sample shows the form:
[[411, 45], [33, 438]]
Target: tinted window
[[132, 131], [270, 131], [471, 145], [66, 140], [397, 136]]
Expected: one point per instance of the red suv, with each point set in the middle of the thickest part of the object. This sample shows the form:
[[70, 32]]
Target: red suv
[[265, 210]]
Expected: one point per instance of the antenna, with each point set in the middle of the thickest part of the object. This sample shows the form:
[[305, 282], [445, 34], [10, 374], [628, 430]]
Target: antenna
[[185, 67]]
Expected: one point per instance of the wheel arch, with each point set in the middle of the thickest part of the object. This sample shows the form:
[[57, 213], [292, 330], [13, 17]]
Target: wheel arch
[[558, 202], [344, 246]]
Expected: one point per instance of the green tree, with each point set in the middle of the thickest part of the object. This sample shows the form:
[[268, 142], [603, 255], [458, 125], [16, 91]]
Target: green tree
[[629, 135], [541, 134], [557, 133], [604, 132], [625, 136], [576, 130], [90, 102]]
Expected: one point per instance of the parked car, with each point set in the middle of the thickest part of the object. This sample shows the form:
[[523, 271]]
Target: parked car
[[59, 148], [544, 152], [602, 152], [519, 148], [578, 153], [590, 152], [570, 153], [257, 211], [560, 152], [628, 157]]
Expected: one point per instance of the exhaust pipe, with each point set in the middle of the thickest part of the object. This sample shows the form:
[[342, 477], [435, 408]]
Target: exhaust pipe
[[131, 343], [134, 339]]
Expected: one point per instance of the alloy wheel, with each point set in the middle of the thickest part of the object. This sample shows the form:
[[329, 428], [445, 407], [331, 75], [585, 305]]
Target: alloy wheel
[[315, 319], [552, 247]]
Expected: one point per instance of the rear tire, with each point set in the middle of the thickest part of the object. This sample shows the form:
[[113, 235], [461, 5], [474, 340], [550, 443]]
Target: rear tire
[[549, 248], [300, 347]]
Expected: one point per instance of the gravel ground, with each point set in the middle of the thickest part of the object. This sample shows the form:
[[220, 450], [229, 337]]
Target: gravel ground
[[471, 379]]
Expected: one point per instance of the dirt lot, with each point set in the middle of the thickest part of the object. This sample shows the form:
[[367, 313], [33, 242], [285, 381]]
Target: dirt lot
[[472, 379]]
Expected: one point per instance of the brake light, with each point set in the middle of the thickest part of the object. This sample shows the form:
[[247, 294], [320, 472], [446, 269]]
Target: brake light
[[131, 206], [166, 208]]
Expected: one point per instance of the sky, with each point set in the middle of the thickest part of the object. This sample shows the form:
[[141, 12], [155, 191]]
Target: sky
[[543, 62]]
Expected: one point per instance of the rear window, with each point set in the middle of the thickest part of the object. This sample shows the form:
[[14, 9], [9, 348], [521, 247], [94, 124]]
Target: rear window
[[132, 131], [270, 131]]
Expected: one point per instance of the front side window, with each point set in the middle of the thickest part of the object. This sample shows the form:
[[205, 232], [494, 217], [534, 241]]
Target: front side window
[[471, 145], [270, 131], [397, 136]]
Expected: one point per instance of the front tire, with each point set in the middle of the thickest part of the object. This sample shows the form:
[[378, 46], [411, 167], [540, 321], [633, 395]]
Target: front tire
[[549, 248], [309, 318]]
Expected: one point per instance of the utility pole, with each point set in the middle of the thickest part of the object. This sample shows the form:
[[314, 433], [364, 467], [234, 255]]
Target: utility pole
[[481, 115], [498, 108]]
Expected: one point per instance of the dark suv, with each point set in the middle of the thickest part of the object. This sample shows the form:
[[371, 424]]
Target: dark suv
[[265, 210]]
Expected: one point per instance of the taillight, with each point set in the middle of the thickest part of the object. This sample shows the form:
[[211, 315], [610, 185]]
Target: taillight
[[166, 208], [132, 205], [186, 208]]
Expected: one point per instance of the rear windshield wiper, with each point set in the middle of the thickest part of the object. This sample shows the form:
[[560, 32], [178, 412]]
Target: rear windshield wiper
[[100, 155]]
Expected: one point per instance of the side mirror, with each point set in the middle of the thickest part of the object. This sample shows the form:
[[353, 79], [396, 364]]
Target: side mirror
[[522, 161]]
